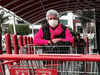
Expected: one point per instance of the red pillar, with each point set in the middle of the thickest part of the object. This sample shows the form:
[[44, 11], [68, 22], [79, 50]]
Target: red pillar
[[74, 39], [31, 42], [20, 42], [24, 40], [28, 42], [15, 44], [87, 45], [8, 45]]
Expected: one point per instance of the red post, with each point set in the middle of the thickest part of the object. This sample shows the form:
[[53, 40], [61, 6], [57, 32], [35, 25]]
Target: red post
[[74, 38], [31, 42], [24, 40], [8, 45], [0, 44], [20, 42], [28, 42], [15, 44], [87, 45]]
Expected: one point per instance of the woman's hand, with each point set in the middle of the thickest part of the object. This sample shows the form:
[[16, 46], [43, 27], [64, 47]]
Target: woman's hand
[[49, 42], [56, 40]]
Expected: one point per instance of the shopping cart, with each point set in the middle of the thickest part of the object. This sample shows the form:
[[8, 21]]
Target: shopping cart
[[59, 49], [31, 64], [80, 50], [50, 60], [47, 49]]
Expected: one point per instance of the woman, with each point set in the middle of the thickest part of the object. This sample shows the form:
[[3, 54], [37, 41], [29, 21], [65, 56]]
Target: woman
[[53, 31]]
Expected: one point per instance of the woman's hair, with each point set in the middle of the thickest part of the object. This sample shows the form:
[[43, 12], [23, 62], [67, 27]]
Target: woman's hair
[[52, 12]]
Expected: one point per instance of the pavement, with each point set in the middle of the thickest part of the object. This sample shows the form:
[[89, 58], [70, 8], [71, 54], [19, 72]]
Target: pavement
[[91, 47]]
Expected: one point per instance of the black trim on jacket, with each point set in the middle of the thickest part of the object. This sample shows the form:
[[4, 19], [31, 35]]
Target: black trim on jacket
[[46, 32]]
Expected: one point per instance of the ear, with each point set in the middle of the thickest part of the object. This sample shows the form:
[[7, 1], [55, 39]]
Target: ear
[[47, 21]]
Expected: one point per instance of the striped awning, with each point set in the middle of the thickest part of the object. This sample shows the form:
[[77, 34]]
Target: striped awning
[[35, 10]]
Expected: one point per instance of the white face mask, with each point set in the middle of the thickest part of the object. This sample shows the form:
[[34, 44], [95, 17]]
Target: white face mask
[[53, 23]]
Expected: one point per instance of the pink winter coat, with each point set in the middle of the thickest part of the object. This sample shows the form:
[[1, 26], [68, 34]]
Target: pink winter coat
[[38, 37]]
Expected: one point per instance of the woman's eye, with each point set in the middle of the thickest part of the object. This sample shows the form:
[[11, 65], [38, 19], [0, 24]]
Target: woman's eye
[[52, 18], [55, 18]]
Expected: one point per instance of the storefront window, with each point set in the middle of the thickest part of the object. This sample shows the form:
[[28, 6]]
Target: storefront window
[[64, 22]]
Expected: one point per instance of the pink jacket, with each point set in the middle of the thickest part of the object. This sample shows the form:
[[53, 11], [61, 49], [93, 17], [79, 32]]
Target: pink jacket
[[38, 37]]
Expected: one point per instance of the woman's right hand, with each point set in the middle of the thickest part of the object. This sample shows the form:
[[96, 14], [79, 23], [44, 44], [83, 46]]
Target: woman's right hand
[[49, 42]]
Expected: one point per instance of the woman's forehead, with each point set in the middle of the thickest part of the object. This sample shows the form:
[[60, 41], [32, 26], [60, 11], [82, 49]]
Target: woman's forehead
[[52, 17]]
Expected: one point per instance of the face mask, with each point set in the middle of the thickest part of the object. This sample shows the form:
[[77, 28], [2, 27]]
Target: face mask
[[53, 23]]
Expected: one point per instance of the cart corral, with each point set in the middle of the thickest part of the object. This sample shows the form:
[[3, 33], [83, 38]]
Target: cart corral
[[54, 60]]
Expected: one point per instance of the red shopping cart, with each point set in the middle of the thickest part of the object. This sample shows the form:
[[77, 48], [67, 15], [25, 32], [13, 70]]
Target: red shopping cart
[[47, 49], [69, 64]]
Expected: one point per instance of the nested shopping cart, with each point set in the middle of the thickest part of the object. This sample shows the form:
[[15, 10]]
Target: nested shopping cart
[[47, 49], [58, 64], [51, 60]]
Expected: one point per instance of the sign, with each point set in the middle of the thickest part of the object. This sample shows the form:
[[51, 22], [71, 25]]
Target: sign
[[24, 71]]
